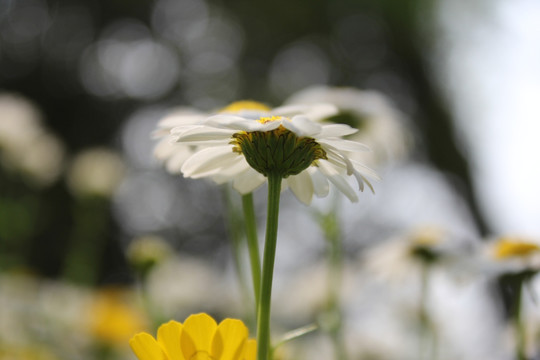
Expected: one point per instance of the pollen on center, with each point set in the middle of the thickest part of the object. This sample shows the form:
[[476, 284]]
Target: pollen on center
[[264, 120]]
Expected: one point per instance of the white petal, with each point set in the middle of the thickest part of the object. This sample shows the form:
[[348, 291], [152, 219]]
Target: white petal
[[366, 170], [248, 181], [338, 158], [302, 126], [233, 122], [177, 130], [175, 162], [165, 148], [362, 180], [290, 110], [181, 117], [337, 179], [321, 111], [336, 130], [320, 183], [232, 170], [239, 123], [253, 114], [204, 133], [344, 145], [270, 125], [301, 186], [208, 160], [312, 111]]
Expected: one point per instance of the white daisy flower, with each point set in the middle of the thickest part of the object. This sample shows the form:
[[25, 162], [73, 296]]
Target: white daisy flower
[[173, 154], [510, 254], [306, 154]]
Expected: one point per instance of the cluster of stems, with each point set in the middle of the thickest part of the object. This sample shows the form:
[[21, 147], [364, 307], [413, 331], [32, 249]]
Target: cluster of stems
[[262, 280]]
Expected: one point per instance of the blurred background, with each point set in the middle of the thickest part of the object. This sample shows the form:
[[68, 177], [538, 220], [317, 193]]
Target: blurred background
[[83, 85]]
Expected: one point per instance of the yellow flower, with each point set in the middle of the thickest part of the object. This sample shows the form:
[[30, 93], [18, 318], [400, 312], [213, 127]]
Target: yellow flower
[[199, 338], [114, 317], [507, 248]]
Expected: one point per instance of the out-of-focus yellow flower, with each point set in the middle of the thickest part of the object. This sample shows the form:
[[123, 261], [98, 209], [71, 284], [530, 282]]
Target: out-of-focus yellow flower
[[114, 318], [199, 338], [243, 106], [29, 353], [507, 247]]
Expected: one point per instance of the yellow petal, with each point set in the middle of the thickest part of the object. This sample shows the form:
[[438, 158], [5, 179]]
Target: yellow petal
[[169, 338], [146, 347], [250, 350], [197, 334], [229, 340]]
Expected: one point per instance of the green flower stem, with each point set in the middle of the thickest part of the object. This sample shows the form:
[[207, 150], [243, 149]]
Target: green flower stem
[[253, 244], [520, 326], [428, 334], [333, 316], [334, 287], [263, 318], [235, 225], [88, 241]]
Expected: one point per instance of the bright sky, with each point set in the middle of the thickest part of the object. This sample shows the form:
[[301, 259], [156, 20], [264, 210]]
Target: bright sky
[[489, 62]]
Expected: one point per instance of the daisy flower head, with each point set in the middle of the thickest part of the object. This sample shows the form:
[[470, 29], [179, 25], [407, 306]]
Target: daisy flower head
[[199, 337], [307, 154], [509, 254]]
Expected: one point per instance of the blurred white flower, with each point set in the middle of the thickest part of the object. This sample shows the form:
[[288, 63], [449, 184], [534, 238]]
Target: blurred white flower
[[381, 125], [25, 146], [182, 285], [21, 123], [510, 254], [43, 161], [96, 171], [34, 308], [405, 256], [145, 252]]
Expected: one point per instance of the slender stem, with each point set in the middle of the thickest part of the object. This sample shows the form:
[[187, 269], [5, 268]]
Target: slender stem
[[263, 319], [88, 241], [329, 224], [253, 245], [520, 326], [428, 334], [296, 333], [334, 287], [235, 225]]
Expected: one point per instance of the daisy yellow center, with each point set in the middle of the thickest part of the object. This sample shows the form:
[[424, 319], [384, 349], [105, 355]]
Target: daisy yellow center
[[279, 151], [243, 105], [506, 248]]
